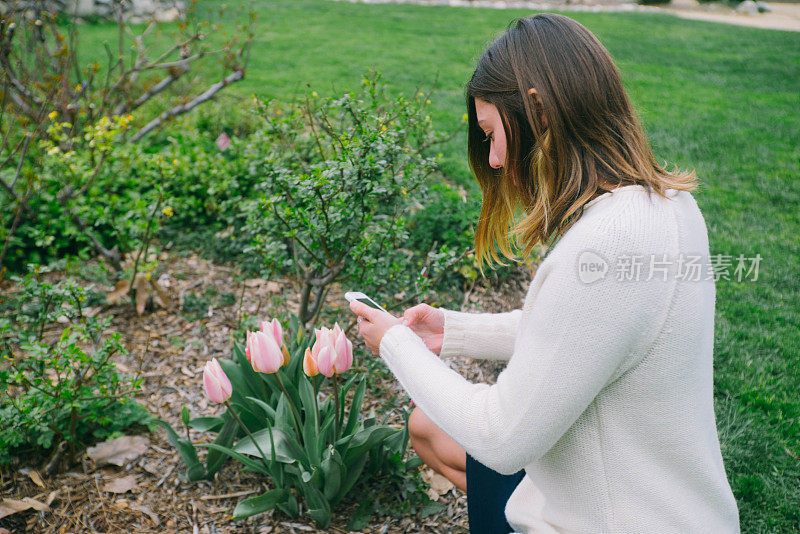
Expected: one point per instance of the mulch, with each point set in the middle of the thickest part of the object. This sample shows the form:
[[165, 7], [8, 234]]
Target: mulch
[[146, 494]]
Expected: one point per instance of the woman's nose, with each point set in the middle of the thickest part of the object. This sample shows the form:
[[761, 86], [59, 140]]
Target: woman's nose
[[494, 161]]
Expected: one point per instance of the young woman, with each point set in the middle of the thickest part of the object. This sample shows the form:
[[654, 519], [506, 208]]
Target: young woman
[[603, 419]]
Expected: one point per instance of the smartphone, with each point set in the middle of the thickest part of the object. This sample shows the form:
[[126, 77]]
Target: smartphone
[[361, 297]]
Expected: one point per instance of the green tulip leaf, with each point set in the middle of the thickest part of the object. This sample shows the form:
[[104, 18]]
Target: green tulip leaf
[[355, 407], [363, 441], [318, 506], [187, 452], [206, 424], [255, 466], [261, 503], [283, 452], [269, 411], [214, 458], [332, 473]]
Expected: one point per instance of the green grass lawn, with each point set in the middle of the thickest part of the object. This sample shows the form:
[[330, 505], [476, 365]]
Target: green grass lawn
[[721, 99]]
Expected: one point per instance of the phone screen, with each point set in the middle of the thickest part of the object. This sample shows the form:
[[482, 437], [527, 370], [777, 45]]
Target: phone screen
[[368, 302]]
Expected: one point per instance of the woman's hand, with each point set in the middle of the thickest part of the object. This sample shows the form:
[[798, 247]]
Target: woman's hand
[[428, 323], [372, 324]]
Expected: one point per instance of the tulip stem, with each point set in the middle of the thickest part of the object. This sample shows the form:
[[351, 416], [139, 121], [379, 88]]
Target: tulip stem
[[253, 439], [336, 401], [295, 413], [316, 407]]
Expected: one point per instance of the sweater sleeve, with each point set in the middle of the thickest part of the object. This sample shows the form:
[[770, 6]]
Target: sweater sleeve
[[479, 335], [573, 341]]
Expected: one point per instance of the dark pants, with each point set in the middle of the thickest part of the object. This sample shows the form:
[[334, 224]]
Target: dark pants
[[487, 494]]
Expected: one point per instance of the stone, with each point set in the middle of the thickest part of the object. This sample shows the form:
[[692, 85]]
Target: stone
[[748, 7]]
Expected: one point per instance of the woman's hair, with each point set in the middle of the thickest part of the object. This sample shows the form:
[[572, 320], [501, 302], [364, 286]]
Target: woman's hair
[[593, 135]]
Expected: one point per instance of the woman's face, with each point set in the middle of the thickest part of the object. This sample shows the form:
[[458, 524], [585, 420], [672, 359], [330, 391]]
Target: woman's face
[[489, 120]]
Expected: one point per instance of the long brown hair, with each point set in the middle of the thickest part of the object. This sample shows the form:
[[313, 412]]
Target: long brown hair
[[593, 135]]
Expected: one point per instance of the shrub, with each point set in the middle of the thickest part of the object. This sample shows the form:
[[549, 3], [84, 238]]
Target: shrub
[[59, 396], [338, 179]]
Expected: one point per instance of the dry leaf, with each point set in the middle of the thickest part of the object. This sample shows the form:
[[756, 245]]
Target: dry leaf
[[120, 290], [36, 477], [118, 451], [121, 485], [440, 484], [160, 296], [145, 510], [253, 282], [13, 506]]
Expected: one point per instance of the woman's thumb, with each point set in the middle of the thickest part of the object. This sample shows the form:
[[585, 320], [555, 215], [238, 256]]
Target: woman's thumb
[[409, 315]]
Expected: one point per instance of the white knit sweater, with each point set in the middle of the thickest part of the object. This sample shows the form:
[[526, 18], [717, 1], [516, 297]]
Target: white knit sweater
[[606, 401]]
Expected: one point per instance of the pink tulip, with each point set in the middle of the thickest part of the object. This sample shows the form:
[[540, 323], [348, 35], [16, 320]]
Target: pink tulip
[[325, 361], [265, 354], [343, 348], [218, 387], [310, 364], [340, 356], [274, 329]]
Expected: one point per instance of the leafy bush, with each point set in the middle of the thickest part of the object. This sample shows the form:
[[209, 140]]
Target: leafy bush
[[338, 179], [62, 395]]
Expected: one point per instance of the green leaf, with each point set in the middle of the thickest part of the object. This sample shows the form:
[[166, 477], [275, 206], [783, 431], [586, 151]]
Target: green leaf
[[310, 435], [365, 440], [355, 407], [214, 458], [206, 424], [283, 451], [187, 452], [361, 518], [318, 506], [269, 411], [256, 466], [431, 508], [352, 472], [332, 472], [290, 507], [261, 503], [185, 416], [413, 463]]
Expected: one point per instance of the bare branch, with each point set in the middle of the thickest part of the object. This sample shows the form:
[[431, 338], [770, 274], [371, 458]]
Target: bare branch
[[183, 108]]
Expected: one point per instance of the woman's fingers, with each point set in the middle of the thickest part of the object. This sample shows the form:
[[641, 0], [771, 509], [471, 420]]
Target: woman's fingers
[[413, 314]]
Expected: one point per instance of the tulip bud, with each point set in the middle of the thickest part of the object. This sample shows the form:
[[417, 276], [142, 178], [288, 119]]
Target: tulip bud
[[215, 381], [309, 365], [247, 347], [286, 355], [265, 354]]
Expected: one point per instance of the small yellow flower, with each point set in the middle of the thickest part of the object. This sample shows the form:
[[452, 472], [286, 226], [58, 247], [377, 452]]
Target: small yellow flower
[[175, 161], [53, 150], [167, 211], [421, 94], [314, 94], [53, 115], [78, 88], [427, 101], [403, 189], [465, 117]]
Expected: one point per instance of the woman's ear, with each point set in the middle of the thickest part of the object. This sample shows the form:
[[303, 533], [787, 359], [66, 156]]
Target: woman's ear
[[539, 106]]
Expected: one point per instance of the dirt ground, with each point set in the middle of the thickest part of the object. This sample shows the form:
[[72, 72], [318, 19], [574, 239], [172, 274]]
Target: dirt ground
[[146, 495]]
